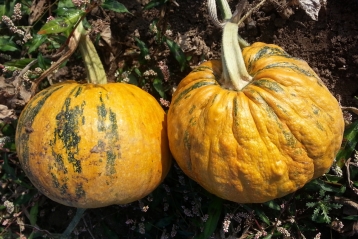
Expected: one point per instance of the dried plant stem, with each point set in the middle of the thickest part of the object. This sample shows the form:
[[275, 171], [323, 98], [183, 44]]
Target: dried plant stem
[[349, 108], [346, 201], [251, 11], [72, 46]]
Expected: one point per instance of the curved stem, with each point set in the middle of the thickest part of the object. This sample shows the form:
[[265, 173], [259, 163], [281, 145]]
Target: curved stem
[[251, 11], [94, 68], [235, 75], [242, 42], [225, 11], [213, 13]]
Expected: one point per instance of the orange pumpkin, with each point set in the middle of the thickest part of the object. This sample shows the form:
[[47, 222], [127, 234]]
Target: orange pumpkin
[[87, 145], [256, 126], [92, 145]]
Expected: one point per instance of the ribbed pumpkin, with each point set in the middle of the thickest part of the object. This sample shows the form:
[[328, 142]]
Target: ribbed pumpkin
[[259, 136], [92, 145]]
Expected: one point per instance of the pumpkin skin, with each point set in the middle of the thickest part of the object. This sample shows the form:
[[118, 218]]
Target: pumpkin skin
[[91, 145], [265, 141]]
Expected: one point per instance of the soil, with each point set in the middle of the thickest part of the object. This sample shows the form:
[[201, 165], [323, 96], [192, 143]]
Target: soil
[[329, 45]]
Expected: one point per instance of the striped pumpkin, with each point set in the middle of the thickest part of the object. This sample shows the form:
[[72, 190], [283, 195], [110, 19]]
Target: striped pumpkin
[[265, 140], [93, 145]]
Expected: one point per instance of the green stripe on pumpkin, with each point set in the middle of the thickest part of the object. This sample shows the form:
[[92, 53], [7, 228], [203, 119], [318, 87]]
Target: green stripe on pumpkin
[[268, 84], [266, 51], [202, 68], [27, 118], [188, 90], [80, 192], [59, 163], [315, 110], [192, 121], [187, 140], [67, 129], [113, 127], [236, 111], [102, 114], [63, 189], [192, 108], [290, 139], [79, 91], [110, 163], [291, 66], [55, 182]]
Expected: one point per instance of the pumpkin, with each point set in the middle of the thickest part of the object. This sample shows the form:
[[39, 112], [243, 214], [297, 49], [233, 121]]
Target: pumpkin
[[92, 145], [255, 126]]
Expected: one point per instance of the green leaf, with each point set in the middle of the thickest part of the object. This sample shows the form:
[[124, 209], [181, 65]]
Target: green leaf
[[7, 7], [19, 63], [158, 86], [352, 217], [33, 213], [61, 24], [142, 47], [214, 212], [36, 41], [350, 140], [262, 216], [2, 10], [318, 184], [10, 146], [154, 3], [315, 214], [6, 44], [336, 205], [273, 205], [132, 79], [75, 220], [333, 178], [6, 167], [178, 53], [65, 11], [258, 211], [326, 218], [7, 129], [115, 6], [137, 71], [23, 199], [66, 4], [108, 233], [56, 41], [41, 61], [165, 221]]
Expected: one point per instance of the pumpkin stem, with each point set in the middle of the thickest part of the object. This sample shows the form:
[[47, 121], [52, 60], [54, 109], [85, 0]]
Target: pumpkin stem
[[94, 68], [225, 11], [235, 75]]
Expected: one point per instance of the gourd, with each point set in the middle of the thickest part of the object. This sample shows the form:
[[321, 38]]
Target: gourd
[[94, 144], [255, 126]]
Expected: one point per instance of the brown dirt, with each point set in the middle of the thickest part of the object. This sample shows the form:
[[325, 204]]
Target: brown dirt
[[329, 45]]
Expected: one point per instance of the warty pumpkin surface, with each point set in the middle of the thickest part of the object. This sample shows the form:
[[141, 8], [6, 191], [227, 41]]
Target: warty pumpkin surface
[[262, 142], [93, 145]]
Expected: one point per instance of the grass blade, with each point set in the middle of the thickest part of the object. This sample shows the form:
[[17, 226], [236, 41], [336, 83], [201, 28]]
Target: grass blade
[[214, 213]]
